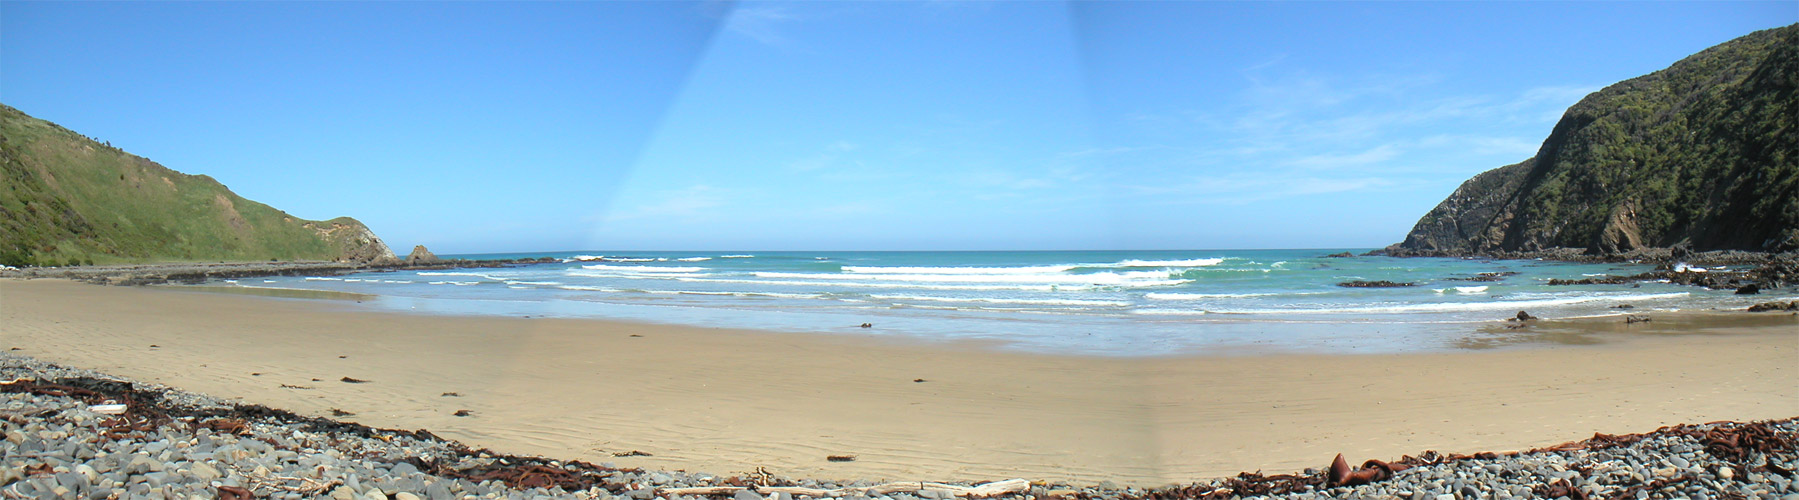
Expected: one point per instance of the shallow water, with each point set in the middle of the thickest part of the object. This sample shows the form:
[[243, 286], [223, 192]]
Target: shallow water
[[1090, 302]]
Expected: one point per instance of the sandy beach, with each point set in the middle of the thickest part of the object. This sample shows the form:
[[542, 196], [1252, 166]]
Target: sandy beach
[[728, 401]]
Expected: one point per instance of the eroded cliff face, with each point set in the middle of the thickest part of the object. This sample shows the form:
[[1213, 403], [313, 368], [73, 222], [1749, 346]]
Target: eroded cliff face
[[1704, 153], [355, 242]]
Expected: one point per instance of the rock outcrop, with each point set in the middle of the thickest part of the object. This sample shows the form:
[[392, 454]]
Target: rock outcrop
[[421, 256], [1703, 154]]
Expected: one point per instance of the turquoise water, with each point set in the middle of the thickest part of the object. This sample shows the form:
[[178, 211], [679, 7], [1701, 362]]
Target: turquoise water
[[1129, 303]]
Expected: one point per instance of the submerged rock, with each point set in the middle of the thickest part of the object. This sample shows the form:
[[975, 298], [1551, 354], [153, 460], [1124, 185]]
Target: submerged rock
[[1374, 284]]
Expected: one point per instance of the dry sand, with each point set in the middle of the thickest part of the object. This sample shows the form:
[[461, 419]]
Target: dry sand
[[726, 401]]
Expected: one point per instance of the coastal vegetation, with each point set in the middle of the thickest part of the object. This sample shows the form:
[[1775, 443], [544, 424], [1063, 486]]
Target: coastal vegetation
[[67, 199], [1702, 155]]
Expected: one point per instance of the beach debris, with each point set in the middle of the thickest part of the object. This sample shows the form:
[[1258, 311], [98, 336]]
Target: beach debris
[[1371, 471], [1521, 316], [1775, 306], [343, 357], [841, 458], [340, 413], [18, 349], [463, 413], [868, 325], [235, 493], [918, 381], [291, 386], [636, 335], [154, 346], [1375, 284], [632, 453], [317, 380], [1561, 488], [985, 490], [1624, 306], [349, 380], [256, 374], [112, 409], [1635, 319], [227, 425], [451, 395]]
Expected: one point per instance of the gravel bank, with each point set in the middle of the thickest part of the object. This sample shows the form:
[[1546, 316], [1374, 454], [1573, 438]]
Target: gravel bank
[[177, 444]]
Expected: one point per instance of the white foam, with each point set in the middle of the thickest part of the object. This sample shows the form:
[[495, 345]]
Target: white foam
[[957, 270], [454, 273], [316, 278], [870, 284], [268, 281], [1470, 289], [1456, 306], [996, 300], [1203, 296], [1684, 268], [736, 256], [540, 283], [1169, 312], [694, 259], [1128, 279], [588, 257], [1169, 263], [643, 269], [589, 288]]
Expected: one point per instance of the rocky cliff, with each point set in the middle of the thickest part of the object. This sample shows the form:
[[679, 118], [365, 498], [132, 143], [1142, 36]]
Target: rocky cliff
[[68, 199], [1703, 154]]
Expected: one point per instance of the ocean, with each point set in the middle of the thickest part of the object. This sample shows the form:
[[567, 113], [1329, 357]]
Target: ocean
[[1107, 303]]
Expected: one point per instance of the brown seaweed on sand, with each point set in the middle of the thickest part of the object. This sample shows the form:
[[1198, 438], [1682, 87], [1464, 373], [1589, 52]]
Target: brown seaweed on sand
[[349, 380]]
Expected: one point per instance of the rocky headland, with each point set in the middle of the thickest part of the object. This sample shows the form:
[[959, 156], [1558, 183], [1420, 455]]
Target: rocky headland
[[67, 199], [1696, 163]]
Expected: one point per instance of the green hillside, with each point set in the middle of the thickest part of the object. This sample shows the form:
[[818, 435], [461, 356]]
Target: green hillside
[[1704, 153], [67, 199]]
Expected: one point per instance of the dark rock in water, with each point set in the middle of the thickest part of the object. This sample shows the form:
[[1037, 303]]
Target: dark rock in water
[[421, 256], [1749, 289], [1340, 255], [1775, 306], [1522, 316], [1604, 280], [1486, 277], [1374, 284]]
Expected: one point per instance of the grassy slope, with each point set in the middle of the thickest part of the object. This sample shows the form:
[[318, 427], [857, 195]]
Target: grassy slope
[[69, 199], [1705, 152]]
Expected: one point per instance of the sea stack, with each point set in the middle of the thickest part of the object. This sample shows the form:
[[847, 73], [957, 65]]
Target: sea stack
[[421, 256]]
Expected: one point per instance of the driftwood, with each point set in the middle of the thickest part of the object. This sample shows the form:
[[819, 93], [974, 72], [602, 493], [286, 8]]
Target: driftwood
[[978, 491]]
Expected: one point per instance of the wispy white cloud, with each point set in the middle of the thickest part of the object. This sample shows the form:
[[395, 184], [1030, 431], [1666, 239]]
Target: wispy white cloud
[[762, 22], [1243, 188], [692, 202], [830, 156], [1378, 154]]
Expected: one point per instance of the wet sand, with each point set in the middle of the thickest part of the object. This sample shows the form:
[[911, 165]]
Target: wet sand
[[727, 401]]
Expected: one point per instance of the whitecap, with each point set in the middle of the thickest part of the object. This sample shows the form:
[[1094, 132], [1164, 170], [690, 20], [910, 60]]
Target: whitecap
[[643, 269]]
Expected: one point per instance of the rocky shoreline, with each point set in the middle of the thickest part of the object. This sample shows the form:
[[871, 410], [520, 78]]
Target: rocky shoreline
[[63, 441], [194, 273], [1677, 265]]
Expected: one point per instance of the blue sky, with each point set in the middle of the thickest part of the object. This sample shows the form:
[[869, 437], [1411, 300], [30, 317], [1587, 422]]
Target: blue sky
[[493, 127]]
